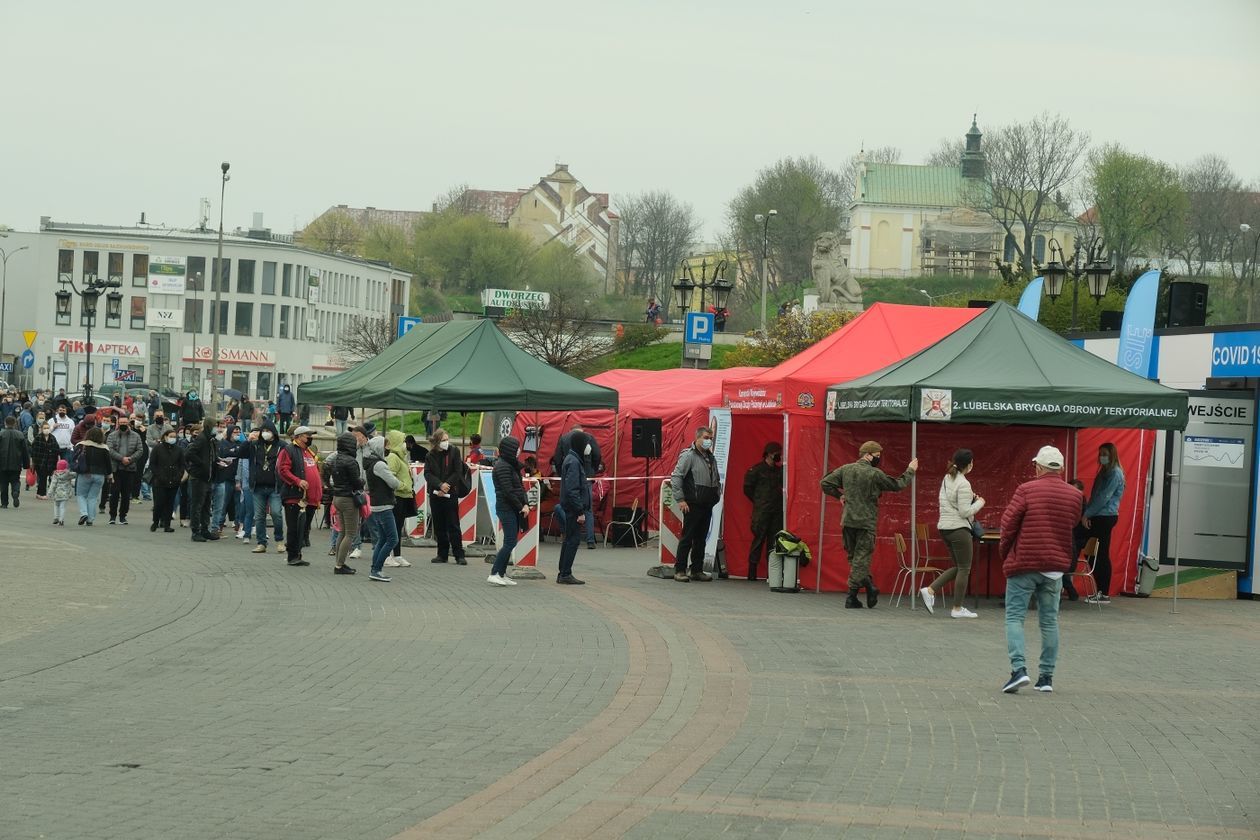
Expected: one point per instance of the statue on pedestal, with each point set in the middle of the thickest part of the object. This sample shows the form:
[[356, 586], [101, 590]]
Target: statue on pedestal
[[836, 287]]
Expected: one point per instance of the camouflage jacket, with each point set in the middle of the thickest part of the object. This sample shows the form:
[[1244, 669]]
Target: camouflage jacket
[[860, 484]]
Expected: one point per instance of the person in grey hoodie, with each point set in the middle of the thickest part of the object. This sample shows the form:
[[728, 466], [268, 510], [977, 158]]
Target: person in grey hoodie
[[698, 485], [381, 484]]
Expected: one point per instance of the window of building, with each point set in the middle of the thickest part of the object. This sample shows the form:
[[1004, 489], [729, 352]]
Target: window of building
[[138, 370], [139, 309], [220, 279], [65, 264], [188, 379], [286, 282], [264, 383], [240, 381], [269, 278], [1039, 248], [284, 322], [1008, 248], [244, 319], [245, 277], [91, 264], [115, 267], [140, 271], [266, 319], [192, 315], [196, 274], [222, 316]]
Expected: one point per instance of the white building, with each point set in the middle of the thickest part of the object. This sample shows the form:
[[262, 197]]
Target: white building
[[283, 307]]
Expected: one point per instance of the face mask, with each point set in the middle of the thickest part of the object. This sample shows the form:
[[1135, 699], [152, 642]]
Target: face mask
[[587, 450], [240, 438], [106, 427], [778, 462], [875, 460], [183, 435], [444, 445], [159, 420], [61, 414], [1104, 460], [267, 435], [220, 434], [123, 428], [706, 443], [170, 439], [192, 396]]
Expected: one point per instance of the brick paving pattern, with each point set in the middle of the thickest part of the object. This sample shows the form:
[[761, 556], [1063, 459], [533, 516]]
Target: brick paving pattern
[[155, 688]]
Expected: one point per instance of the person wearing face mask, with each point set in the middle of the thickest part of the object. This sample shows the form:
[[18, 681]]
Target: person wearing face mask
[[199, 463], [125, 448], [1100, 516], [265, 488], [15, 456], [284, 407], [63, 430], [575, 498], [444, 474], [301, 489], [190, 409], [958, 509], [227, 450], [698, 487], [45, 453], [81, 428], [763, 486], [592, 460], [166, 462], [860, 485]]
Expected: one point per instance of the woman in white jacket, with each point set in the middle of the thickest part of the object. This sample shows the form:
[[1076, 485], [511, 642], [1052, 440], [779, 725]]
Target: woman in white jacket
[[959, 507]]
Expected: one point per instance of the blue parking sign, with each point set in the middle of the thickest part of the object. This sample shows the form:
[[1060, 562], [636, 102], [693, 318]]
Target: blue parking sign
[[699, 328], [405, 323]]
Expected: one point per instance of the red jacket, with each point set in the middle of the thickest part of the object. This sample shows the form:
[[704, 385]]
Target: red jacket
[[310, 472], [1037, 526]]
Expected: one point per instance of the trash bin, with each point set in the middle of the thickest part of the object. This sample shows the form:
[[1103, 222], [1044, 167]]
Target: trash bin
[[783, 568]]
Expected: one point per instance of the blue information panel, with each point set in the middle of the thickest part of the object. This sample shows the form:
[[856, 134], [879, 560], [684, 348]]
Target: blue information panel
[[1236, 354], [28, 359], [699, 328], [405, 323]]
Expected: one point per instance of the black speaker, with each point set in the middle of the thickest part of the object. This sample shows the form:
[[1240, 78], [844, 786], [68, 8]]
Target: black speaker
[[1110, 320], [1187, 304], [979, 304], [645, 437]]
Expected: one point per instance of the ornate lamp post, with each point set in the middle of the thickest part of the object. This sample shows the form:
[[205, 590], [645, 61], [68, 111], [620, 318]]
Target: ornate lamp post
[[686, 285], [1092, 267], [90, 294], [764, 218]]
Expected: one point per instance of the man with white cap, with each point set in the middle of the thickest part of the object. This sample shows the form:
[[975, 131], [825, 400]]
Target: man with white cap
[[1036, 550]]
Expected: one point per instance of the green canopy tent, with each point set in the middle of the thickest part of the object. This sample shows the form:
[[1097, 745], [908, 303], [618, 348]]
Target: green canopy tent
[[1003, 368], [457, 366]]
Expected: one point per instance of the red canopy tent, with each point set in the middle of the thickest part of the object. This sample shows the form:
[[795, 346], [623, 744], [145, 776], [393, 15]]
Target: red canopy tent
[[784, 404], [680, 397]]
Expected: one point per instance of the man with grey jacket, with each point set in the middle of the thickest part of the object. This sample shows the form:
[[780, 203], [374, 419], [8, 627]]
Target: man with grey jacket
[[698, 485], [125, 448]]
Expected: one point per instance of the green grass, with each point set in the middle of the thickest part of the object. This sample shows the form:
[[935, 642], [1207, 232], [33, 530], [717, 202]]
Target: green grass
[[653, 357], [411, 423], [1165, 581]]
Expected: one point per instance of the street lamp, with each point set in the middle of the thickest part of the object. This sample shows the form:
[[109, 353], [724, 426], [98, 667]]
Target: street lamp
[[93, 288], [686, 285], [4, 290], [1245, 228], [931, 298], [1093, 268], [764, 219], [218, 297]]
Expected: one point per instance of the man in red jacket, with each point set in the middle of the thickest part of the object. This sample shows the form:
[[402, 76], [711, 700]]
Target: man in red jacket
[[301, 491], [1036, 550]]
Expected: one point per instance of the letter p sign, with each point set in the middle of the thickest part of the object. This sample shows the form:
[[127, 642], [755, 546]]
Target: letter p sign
[[699, 328]]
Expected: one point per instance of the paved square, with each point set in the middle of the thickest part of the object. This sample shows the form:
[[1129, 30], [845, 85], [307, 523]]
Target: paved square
[[155, 688]]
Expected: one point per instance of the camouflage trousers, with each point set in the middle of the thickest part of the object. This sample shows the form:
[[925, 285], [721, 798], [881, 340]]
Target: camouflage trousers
[[859, 544]]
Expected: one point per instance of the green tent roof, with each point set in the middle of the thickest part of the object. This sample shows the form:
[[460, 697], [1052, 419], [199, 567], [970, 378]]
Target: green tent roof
[[1004, 368], [457, 366]]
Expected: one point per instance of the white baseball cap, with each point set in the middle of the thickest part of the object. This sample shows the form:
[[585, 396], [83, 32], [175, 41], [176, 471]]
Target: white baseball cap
[[1049, 457]]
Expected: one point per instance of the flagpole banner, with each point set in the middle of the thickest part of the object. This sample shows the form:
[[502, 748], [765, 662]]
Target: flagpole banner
[[1137, 331], [1030, 300]]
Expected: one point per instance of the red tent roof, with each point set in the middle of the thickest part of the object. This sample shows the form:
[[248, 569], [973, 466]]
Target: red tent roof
[[883, 334], [660, 393]]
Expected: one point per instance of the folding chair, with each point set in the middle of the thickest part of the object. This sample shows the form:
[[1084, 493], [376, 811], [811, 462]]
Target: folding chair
[[1089, 556], [631, 523], [908, 575]]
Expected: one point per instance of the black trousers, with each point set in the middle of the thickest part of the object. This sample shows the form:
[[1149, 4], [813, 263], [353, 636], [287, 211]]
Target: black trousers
[[10, 482], [694, 531], [759, 550], [400, 517], [163, 504], [42, 486], [199, 505], [1101, 526], [125, 484], [294, 531], [445, 513]]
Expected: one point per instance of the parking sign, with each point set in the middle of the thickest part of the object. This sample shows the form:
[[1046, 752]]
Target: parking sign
[[699, 328], [405, 324]]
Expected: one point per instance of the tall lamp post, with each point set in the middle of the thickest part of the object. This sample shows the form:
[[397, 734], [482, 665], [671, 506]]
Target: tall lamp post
[[1091, 266], [1245, 228], [91, 292], [718, 283], [764, 219], [931, 298], [218, 300], [4, 289]]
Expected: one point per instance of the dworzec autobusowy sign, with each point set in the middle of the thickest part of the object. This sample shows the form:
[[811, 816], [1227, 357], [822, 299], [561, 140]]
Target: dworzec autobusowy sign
[[514, 299]]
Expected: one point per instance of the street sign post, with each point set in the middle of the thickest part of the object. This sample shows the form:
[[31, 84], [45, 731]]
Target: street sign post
[[29, 337], [28, 359], [126, 376], [698, 338], [6, 367]]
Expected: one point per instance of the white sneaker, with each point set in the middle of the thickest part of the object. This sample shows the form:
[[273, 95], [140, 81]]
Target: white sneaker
[[496, 580], [929, 599], [389, 561], [962, 612], [398, 561], [356, 554], [507, 580]]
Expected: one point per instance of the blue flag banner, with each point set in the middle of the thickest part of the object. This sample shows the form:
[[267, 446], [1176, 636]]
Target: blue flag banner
[[1030, 300], [1137, 333]]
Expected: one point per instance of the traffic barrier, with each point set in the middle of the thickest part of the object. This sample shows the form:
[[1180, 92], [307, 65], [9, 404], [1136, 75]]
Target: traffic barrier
[[670, 519], [468, 514], [418, 526]]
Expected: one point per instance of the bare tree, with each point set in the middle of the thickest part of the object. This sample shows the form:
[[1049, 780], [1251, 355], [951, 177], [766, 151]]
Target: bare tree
[[364, 338], [948, 152], [1214, 202], [657, 232], [1029, 166], [333, 232], [849, 177], [563, 334], [457, 199]]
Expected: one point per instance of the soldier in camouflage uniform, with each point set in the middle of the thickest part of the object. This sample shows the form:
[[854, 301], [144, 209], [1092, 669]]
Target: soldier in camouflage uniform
[[860, 484]]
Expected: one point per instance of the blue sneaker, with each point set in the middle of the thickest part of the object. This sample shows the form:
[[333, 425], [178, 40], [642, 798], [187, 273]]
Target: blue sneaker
[[1018, 678], [1043, 684]]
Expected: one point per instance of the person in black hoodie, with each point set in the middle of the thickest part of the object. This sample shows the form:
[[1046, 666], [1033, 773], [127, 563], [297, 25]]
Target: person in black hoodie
[[347, 479], [166, 462], [575, 497], [265, 486], [227, 451], [199, 462], [444, 474], [190, 409], [512, 505]]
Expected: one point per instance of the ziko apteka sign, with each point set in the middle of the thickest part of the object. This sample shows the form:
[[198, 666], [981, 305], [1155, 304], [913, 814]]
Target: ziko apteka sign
[[514, 299]]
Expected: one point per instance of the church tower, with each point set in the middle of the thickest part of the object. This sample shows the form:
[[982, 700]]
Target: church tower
[[973, 155]]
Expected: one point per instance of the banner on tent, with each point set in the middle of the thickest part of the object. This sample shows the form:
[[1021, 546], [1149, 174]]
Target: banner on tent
[[670, 517], [720, 422]]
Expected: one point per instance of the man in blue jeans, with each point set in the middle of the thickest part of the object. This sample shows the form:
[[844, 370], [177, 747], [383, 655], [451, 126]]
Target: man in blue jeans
[[1036, 549], [575, 496], [265, 487]]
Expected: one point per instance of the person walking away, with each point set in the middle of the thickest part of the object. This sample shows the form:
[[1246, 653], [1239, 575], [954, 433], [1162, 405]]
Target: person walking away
[[575, 497], [247, 413], [92, 462], [304, 414], [1036, 550], [698, 486], [347, 479], [763, 486], [444, 475], [264, 486], [166, 463], [45, 453], [199, 461], [125, 448], [301, 489], [511, 504], [1101, 513], [340, 415], [381, 484], [860, 485], [404, 493], [958, 509], [61, 488], [15, 458], [284, 407]]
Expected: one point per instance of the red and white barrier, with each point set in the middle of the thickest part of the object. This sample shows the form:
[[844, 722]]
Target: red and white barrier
[[526, 551], [671, 519], [418, 526], [468, 513]]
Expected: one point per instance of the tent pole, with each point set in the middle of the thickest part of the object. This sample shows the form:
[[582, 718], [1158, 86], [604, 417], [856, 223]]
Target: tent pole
[[822, 505], [1177, 532], [914, 515]]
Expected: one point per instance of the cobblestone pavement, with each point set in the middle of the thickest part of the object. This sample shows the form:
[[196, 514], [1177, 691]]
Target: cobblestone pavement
[[155, 688]]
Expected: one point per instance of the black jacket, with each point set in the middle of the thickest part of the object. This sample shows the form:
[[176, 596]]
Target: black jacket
[[14, 453], [592, 462], [167, 465], [191, 411], [346, 475], [262, 458], [507, 476], [45, 452], [445, 468], [199, 457]]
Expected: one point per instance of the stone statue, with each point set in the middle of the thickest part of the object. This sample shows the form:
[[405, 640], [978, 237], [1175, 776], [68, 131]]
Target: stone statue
[[836, 287]]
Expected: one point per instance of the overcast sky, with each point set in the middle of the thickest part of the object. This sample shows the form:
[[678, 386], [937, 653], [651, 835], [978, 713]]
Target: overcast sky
[[110, 109]]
